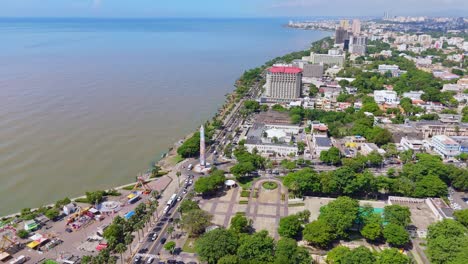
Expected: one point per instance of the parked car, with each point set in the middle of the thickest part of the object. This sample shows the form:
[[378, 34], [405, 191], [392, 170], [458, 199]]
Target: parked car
[[163, 240]]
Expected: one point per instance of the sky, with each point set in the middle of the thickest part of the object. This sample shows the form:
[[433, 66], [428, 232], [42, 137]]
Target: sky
[[229, 8]]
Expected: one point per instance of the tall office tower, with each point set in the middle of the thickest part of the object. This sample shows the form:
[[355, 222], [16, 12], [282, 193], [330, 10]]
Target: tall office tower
[[358, 45], [344, 24], [283, 83], [202, 147], [341, 35], [356, 28]]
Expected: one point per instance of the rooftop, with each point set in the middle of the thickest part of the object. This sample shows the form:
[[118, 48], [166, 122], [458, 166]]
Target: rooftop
[[277, 69]]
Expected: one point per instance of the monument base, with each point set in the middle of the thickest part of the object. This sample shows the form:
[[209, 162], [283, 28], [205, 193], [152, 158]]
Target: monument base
[[202, 169]]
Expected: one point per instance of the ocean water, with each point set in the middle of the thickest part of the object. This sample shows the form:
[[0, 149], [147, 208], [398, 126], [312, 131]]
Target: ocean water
[[86, 104]]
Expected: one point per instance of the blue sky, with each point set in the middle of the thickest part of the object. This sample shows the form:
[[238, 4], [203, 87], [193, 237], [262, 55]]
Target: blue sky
[[228, 8]]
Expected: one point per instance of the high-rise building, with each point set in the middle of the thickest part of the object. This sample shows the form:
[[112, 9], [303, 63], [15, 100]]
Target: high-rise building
[[344, 24], [341, 35], [283, 83], [356, 28], [358, 45]]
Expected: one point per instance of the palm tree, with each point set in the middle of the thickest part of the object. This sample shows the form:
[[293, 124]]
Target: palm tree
[[170, 230], [178, 177], [121, 248], [155, 194], [128, 240], [177, 222], [139, 226]]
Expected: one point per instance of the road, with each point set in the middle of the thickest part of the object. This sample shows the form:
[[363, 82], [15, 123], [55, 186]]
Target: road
[[153, 248]]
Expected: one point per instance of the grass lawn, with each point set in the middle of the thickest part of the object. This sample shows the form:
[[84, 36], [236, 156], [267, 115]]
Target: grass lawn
[[189, 245], [178, 159], [245, 193], [270, 185], [296, 204], [128, 188]]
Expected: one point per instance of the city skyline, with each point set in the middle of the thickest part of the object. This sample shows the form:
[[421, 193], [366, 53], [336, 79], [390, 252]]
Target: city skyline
[[240, 8]]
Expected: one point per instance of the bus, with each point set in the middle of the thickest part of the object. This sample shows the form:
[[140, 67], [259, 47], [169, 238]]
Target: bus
[[166, 210], [172, 200]]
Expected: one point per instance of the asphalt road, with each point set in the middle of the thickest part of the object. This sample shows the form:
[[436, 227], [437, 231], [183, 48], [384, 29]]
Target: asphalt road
[[153, 248]]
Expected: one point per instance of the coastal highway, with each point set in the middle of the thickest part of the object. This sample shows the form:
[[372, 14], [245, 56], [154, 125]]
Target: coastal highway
[[151, 249]]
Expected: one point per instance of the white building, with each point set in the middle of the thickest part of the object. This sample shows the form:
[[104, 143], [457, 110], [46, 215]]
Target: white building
[[320, 143], [413, 95], [283, 83], [445, 146], [327, 59], [385, 96], [413, 144]]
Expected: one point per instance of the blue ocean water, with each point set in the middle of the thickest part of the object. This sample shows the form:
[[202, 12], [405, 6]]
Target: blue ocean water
[[86, 104]]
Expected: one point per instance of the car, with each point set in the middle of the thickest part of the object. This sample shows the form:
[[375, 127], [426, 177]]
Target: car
[[160, 224], [179, 198], [163, 240], [171, 261], [150, 260], [137, 259], [157, 229], [164, 219], [185, 191], [68, 230], [143, 250], [171, 219], [180, 262]]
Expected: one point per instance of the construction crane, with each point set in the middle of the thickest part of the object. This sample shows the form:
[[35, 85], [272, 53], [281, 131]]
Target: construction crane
[[6, 243], [141, 184]]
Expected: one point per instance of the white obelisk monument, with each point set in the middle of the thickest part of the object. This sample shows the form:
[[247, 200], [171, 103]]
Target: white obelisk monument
[[202, 147]]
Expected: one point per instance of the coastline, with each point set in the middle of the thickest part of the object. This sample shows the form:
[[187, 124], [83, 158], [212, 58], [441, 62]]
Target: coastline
[[165, 161]]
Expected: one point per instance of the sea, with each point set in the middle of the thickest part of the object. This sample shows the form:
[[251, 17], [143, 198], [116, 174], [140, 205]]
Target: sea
[[87, 104]]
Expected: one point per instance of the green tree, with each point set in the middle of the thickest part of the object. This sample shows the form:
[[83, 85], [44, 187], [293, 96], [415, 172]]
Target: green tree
[[240, 224], [392, 256], [52, 213], [191, 147], [211, 184], [170, 246], [447, 241], [290, 226], [372, 229], [397, 214], [305, 181], [214, 245], [462, 216], [332, 156], [319, 233], [256, 248], [242, 169], [359, 255], [430, 186], [287, 251], [396, 235], [229, 259], [337, 255], [121, 248], [340, 214], [375, 159], [94, 197], [22, 233], [188, 205], [195, 222]]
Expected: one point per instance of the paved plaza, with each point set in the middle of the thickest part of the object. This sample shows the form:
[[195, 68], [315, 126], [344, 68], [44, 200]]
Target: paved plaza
[[265, 209]]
